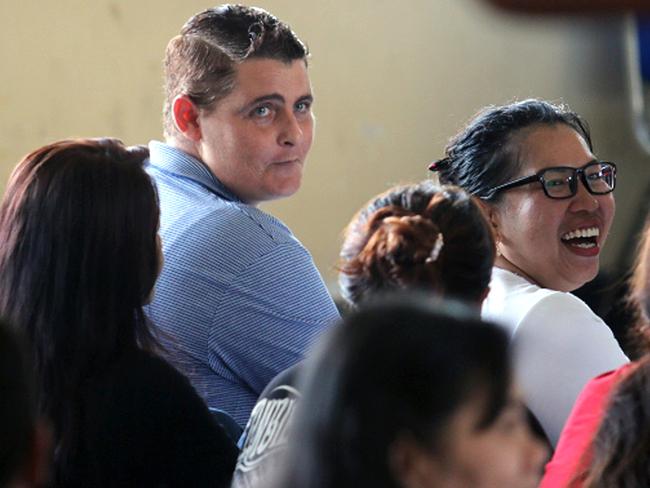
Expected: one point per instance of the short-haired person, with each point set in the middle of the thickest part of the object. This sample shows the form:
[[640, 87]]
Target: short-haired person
[[239, 296], [412, 237], [79, 257], [411, 393], [550, 202]]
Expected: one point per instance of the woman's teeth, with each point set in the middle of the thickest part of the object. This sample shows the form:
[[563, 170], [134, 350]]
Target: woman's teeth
[[583, 238], [576, 234]]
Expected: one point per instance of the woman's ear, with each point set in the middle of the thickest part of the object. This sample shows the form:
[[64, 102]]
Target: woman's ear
[[413, 465], [491, 213]]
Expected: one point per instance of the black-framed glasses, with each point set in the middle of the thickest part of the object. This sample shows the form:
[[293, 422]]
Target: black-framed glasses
[[559, 182]]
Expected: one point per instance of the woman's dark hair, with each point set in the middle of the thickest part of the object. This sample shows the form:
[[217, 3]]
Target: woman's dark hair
[[17, 410], [485, 153], [78, 259], [418, 236], [395, 369], [621, 446]]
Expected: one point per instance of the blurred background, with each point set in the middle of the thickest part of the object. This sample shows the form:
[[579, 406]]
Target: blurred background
[[393, 82]]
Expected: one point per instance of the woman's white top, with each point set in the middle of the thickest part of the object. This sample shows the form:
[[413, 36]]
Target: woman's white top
[[558, 345]]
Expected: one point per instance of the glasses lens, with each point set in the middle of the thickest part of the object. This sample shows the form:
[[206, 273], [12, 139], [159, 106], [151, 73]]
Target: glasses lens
[[600, 177], [559, 182]]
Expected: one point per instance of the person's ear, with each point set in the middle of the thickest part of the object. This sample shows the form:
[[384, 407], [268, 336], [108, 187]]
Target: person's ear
[[186, 117], [413, 465], [491, 213]]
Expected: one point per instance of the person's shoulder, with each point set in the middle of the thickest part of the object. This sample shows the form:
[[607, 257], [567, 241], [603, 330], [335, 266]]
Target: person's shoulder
[[228, 238], [265, 432], [605, 382], [247, 225], [563, 304], [147, 371], [514, 287], [568, 324], [511, 298], [146, 414], [270, 225]]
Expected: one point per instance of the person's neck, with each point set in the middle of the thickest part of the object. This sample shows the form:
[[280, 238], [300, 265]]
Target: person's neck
[[503, 263], [184, 146], [191, 149]]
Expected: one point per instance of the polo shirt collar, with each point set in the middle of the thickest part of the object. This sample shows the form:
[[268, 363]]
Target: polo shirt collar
[[172, 160]]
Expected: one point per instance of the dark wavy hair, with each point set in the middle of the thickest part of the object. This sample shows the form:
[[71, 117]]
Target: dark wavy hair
[[393, 369], [418, 236], [78, 259], [485, 153], [200, 62]]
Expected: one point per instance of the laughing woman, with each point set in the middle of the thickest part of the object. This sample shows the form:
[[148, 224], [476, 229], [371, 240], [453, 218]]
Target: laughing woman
[[550, 202]]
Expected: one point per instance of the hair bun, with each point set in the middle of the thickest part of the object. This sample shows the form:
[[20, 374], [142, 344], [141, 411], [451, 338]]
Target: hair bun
[[406, 240]]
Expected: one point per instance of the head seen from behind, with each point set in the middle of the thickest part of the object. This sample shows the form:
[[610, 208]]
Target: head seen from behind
[[78, 259], [238, 98], [405, 394], [418, 236], [548, 197]]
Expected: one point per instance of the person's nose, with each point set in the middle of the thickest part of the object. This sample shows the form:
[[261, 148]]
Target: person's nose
[[583, 200], [291, 131]]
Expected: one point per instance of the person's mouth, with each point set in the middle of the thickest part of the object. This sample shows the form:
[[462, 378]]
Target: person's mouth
[[583, 241], [288, 161]]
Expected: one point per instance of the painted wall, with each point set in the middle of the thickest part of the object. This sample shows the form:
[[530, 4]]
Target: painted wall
[[392, 84]]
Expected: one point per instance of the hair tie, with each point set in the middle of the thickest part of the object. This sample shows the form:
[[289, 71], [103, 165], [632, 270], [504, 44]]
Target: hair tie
[[255, 31], [440, 164], [435, 251]]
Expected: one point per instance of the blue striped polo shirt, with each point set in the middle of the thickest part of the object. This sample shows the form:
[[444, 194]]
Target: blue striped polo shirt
[[239, 298]]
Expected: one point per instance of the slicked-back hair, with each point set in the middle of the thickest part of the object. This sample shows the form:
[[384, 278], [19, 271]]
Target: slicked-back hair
[[201, 61], [395, 369], [78, 259], [420, 236], [485, 153]]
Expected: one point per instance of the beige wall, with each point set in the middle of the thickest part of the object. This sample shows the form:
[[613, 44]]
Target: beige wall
[[392, 84]]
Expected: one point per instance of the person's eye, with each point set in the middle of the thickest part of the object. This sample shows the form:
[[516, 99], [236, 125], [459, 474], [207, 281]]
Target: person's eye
[[600, 175], [511, 420], [261, 112], [303, 107], [556, 183]]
